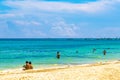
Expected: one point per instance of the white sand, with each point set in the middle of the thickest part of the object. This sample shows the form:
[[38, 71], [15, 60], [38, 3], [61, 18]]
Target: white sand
[[98, 71]]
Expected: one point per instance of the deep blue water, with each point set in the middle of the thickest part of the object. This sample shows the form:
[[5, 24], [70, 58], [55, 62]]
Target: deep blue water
[[42, 52]]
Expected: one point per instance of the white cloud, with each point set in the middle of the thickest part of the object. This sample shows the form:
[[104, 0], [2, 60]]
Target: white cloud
[[7, 15], [33, 33], [91, 7], [30, 28], [3, 27], [106, 32], [111, 31], [27, 23], [36, 18], [63, 29]]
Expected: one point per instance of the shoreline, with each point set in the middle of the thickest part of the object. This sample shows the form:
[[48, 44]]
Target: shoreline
[[55, 67], [97, 71]]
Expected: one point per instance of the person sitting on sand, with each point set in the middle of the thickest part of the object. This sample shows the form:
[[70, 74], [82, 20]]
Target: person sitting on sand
[[30, 65], [26, 67]]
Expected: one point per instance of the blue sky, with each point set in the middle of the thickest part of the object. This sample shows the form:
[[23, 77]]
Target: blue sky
[[59, 18]]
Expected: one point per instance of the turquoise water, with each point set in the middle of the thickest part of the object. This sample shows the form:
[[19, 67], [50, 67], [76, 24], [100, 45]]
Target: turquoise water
[[42, 52]]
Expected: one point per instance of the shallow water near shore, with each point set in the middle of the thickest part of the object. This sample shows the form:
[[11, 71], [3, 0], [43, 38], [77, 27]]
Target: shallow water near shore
[[42, 52]]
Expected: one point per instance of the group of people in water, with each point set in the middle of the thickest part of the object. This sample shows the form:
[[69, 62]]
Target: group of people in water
[[104, 51], [28, 65], [94, 49]]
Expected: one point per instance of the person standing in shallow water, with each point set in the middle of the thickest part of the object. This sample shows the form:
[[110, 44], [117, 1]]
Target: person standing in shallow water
[[77, 51], [94, 49], [58, 55], [104, 52]]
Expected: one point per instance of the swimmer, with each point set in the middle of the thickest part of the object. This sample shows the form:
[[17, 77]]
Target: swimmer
[[94, 50], [58, 55], [104, 52]]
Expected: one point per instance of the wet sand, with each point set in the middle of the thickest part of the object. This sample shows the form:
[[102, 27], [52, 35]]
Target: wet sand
[[97, 71]]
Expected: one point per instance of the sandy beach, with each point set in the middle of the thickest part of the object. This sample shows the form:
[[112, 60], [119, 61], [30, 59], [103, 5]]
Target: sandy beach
[[97, 71]]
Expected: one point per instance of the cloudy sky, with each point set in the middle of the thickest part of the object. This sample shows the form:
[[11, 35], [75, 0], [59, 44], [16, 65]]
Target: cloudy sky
[[59, 18]]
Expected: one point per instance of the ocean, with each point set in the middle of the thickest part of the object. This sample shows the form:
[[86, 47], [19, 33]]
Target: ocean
[[42, 52]]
